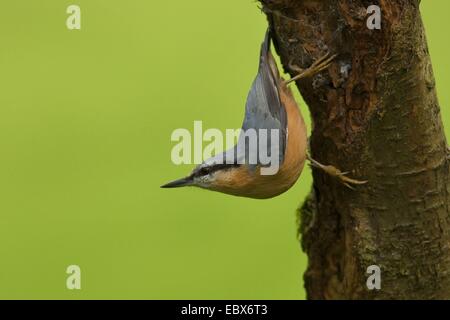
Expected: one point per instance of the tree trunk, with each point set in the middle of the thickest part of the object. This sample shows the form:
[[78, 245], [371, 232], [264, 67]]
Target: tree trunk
[[375, 114]]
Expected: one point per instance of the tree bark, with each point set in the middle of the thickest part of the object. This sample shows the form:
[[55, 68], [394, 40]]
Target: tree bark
[[375, 114]]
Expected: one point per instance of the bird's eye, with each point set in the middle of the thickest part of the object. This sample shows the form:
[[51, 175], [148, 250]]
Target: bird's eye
[[203, 171]]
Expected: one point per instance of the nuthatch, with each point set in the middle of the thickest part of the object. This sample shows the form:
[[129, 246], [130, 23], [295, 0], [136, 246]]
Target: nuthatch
[[270, 105]]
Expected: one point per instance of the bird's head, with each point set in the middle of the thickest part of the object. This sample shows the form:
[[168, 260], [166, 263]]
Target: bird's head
[[234, 179], [208, 175]]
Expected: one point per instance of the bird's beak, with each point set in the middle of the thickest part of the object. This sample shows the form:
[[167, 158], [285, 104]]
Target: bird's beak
[[183, 182]]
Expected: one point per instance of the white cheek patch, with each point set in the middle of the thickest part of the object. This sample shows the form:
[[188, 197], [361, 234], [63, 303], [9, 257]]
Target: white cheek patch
[[204, 181]]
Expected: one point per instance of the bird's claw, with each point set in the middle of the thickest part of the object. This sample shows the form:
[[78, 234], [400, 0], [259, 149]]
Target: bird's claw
[[348, 182], [335, 172], [319, 65]]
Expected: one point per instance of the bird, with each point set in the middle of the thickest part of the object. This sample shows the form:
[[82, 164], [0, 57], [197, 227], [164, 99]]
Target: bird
[[270, 105]]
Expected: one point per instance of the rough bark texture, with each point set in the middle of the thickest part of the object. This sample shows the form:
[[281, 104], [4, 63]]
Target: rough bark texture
[[375, 113]]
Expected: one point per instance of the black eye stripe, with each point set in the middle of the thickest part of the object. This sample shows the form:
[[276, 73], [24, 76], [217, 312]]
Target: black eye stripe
[[211, 169]]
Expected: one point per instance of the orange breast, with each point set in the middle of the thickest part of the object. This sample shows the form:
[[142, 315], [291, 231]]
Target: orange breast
[[243, 182]]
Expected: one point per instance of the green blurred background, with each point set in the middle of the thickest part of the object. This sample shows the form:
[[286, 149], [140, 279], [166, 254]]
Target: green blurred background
[[85, 124]]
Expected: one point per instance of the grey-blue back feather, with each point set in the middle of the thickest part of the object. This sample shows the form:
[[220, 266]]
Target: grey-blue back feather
[[264, 109]]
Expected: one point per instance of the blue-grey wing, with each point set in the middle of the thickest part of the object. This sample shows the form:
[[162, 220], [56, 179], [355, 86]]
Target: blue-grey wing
[[264, 110]]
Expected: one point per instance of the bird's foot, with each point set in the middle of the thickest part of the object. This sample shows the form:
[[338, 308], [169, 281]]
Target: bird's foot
[[318, 66], [335, 172]]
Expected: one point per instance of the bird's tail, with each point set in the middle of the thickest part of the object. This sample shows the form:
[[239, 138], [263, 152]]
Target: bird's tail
[[266, 58]]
